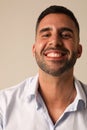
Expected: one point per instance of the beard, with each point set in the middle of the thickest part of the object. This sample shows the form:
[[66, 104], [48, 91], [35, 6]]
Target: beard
[[67, 64]]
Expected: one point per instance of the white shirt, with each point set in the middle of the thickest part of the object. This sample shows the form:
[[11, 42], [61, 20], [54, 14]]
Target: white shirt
[[22, 108]]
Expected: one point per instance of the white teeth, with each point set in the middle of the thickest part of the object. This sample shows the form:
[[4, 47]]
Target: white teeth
[[53, 54]]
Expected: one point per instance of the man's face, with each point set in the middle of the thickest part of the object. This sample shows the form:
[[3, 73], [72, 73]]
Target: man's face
[[57, 44]]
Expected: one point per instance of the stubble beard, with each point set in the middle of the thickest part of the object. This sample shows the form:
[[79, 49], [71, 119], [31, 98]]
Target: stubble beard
[[67, 65]]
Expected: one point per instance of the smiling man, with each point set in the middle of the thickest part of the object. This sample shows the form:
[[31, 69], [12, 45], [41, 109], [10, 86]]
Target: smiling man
[[54, 99], [57, 44]]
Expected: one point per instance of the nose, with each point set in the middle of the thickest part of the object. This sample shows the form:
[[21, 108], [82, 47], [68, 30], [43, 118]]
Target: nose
[[55, 40]]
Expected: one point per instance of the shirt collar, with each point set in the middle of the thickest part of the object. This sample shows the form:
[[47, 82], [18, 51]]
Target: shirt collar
[[80, 91], [31, 88], [33, 93], [80, 101], [81, 95]]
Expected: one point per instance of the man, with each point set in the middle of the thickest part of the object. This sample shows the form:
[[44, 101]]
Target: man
[[54, 99]]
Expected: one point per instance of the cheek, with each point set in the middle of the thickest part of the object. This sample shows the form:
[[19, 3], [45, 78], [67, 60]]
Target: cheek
[[70, 46], [40, 46]]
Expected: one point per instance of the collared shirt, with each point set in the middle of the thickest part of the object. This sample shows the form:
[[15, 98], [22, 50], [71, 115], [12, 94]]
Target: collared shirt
[[22, 108]]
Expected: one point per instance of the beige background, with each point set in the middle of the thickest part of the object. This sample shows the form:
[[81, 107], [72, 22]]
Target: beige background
[[17, 24]]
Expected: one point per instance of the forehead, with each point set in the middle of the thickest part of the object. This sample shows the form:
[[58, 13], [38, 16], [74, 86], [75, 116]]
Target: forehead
[[57, 21]]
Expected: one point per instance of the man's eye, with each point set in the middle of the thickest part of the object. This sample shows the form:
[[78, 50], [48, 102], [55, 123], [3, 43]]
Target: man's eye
[[66, 36], [46, 35]]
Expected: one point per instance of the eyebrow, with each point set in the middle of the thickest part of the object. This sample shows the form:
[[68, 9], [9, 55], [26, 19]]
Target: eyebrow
[[66, 29], [45, 29], [61, 29]]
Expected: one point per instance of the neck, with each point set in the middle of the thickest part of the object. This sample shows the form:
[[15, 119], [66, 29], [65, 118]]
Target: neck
[[57, 93], [51, 88]]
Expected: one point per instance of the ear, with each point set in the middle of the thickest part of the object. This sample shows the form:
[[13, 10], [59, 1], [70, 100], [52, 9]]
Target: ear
[[33, 49], [79, 51]]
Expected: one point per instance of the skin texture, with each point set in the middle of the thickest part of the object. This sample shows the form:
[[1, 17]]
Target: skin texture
[[56, 50], [59, 37]]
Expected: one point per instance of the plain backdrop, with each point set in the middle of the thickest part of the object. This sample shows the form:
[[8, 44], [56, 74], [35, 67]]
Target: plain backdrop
[[17, 35]]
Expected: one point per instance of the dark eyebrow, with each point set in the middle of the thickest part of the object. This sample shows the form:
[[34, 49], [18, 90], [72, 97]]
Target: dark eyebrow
[[61, 29], [45, 29], [66, 29]]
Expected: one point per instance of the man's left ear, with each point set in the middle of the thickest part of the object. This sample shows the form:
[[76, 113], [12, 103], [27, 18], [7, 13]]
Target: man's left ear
[[33, 49], [79, 51]]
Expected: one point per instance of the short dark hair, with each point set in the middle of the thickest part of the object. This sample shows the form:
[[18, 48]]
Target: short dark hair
[[57, 9]]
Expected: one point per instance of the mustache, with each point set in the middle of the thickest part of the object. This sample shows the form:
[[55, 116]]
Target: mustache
[[56, 49]]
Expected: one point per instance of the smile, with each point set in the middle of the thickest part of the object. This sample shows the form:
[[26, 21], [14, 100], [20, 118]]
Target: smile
[[55, 54]]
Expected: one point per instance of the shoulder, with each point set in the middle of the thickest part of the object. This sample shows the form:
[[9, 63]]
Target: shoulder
[[15, 92], [84, 86], [10, 98], [80, 83], [13, 89]]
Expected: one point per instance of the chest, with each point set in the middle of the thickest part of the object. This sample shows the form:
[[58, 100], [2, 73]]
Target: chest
[[27, 116]]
